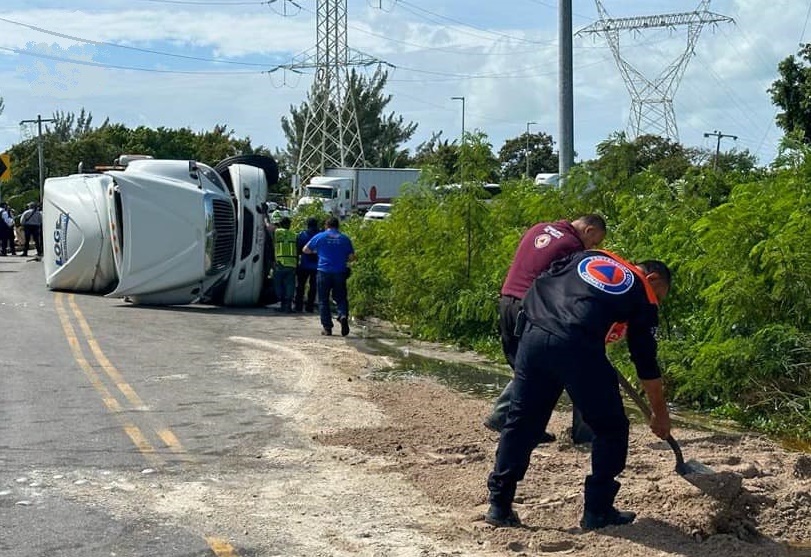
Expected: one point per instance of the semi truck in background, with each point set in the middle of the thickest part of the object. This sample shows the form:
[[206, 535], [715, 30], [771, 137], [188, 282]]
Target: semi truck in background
[[343, 191], [160, 231]]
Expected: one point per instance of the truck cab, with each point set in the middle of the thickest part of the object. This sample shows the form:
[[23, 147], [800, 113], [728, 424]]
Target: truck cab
[[161, 232], [334, 195]]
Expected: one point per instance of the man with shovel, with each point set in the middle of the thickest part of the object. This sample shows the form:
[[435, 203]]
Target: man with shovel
[[567, 314], [540, 246]]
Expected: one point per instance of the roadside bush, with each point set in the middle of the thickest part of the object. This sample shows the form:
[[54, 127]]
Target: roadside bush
[[735, 330]]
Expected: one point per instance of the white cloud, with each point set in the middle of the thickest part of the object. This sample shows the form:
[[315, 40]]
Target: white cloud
[[723, 88]]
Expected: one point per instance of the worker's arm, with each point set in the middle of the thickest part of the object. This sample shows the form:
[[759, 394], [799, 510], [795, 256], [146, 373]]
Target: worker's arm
[[660, 417], [306, 249], [642, 346]]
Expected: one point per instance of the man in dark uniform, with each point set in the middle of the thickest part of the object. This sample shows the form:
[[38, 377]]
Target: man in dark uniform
[[569, 311], [542, 244]]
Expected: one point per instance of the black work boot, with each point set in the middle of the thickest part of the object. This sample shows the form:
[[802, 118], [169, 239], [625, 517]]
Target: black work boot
[[501, 517], [344, 321], [612, 517]]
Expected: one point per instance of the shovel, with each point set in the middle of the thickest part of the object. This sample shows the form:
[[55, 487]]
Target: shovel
[[724, 485]]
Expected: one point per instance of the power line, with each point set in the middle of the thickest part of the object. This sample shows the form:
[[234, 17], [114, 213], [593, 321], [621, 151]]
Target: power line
[[216, 3], [117, 67], [408, 5], [439, 48], [776, 111], [133, 48]]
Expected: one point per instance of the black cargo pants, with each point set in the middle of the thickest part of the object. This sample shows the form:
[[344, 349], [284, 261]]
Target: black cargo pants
[[545, 365], [508, 308]]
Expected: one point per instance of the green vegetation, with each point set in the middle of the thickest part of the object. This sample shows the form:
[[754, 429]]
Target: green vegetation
[[72, 139], [735, 336]]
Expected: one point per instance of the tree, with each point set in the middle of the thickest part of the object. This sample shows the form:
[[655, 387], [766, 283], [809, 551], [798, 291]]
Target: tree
[[438, 158], [791, 92], [72, 139], [537, 146], [620, 159], [382, 135]]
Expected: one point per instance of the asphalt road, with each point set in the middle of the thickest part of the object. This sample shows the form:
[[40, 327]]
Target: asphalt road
[[95, 392]]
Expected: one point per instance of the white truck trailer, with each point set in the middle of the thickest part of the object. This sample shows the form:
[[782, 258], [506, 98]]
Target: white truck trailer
[[160, 231], [343, 191]]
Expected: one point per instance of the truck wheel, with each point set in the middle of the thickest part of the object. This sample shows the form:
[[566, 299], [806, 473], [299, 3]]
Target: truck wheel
[[267, 164]]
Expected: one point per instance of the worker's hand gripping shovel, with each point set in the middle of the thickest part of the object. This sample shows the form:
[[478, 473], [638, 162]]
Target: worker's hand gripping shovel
[[723, 485]]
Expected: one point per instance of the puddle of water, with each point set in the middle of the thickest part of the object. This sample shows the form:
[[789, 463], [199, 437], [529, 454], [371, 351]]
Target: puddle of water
[[466, 378], [488, 382]]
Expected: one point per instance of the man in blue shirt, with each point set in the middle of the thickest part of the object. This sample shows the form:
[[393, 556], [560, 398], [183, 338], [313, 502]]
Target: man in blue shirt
[[307, 267], [334, 251]]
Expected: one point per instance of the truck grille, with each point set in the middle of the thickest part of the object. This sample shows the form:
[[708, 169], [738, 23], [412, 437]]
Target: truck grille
[[221, 236]]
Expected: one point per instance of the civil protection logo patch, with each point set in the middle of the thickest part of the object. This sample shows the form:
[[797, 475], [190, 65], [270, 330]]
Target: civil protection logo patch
[[542, 240], [606, 274]]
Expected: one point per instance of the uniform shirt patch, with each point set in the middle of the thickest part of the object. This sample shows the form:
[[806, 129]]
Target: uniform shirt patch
[[542, 240], [553, 231], [606, 274]]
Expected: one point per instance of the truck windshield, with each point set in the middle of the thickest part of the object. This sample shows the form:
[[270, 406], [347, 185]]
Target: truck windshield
[[323, 192]]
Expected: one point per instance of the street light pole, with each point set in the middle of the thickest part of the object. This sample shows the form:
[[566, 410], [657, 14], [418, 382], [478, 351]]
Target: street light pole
[[39, 122], [526, 151], [461, 164]]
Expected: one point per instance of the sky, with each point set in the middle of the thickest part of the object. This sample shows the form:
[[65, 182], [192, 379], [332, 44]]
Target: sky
[[198, 63]]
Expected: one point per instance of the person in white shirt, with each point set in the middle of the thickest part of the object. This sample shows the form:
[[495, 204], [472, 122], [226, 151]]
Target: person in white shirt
[[31, 219], [6, 230]]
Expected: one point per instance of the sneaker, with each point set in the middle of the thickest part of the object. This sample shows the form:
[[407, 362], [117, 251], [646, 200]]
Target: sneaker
[[612, 517], [501, 517], [326, 332], [344, 321]]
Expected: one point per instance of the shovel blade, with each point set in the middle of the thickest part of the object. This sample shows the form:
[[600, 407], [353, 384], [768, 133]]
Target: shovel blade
[[723, 486], [693, 466]]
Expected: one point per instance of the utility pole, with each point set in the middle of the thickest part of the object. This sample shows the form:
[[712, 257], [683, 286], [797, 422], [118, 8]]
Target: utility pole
[[39, 122], [462, 143], [566, 89], [526, 151], [718, 135]]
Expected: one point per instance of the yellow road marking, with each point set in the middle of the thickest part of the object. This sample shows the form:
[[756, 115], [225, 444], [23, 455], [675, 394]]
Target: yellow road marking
[[73, 341], [139, 439], [108, 367], [220, 547], [132, 431], [171, 441]]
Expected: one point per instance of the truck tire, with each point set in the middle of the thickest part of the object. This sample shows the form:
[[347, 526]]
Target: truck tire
[[267, 164]]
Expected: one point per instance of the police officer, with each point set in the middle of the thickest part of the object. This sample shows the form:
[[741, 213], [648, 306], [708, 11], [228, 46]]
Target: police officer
[[569, 311], [542, 244]]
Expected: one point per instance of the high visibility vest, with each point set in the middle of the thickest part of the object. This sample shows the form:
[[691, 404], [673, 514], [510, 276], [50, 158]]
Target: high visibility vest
[[286, 250]]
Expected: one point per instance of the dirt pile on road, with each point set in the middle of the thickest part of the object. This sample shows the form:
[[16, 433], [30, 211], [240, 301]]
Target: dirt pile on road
[[434, 436]]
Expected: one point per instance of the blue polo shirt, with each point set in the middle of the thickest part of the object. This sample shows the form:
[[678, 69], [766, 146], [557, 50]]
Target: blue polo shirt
[[333, 250]]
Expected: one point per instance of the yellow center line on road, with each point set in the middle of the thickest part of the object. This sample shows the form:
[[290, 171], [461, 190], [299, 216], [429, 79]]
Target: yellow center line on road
[[73, 341], [220, 547], [171, 441], [112, 404], [108, 367], [169, 438]]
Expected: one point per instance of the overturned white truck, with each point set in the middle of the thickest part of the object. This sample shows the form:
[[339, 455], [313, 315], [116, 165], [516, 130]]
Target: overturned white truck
[[161, 232]]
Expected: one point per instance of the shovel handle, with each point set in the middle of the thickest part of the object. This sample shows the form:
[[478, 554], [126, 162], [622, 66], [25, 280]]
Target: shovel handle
[[643, 406]]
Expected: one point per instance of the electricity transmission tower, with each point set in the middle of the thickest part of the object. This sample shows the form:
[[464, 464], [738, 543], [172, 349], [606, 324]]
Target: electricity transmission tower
[[331, 134], [652, 99]]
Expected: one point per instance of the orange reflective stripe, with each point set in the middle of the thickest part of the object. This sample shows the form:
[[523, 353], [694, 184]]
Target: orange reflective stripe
[[635, 270]]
